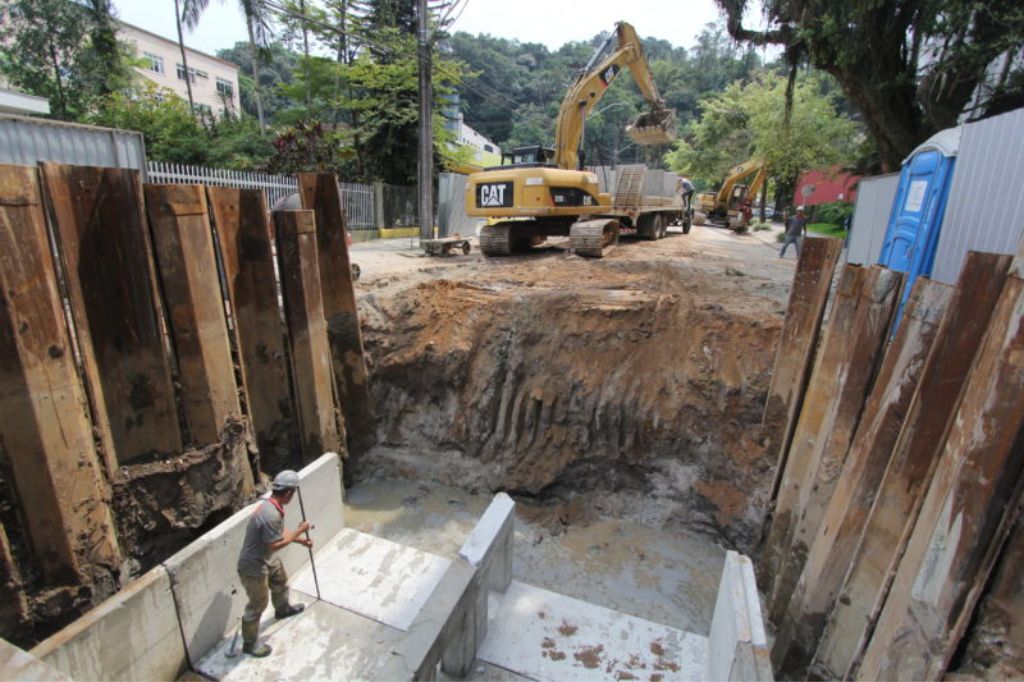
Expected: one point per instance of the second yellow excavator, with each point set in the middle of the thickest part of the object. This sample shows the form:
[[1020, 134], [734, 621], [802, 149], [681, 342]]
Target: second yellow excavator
[[546, 192], [727, 205]]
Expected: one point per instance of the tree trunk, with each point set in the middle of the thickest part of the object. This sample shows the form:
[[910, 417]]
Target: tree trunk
[[305, 51], [256, 75], [184, 59], [61, 97]]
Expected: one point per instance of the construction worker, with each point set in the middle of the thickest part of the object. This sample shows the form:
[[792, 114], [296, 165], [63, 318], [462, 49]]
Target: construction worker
[[686, 190], [796, 228], [260, 569]]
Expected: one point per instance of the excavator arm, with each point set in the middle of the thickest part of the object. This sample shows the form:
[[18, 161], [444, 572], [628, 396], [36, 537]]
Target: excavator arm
[[738, 173], [657, 127]]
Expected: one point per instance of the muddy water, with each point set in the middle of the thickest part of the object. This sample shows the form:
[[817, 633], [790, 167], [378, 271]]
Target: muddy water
[[667, 576]]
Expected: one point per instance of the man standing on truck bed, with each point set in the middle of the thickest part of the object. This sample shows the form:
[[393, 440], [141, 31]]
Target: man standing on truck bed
[[796, 228], [259, 569], [686, 190]]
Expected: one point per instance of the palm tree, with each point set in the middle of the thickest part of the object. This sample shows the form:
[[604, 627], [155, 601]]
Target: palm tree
[[257, 20], [194, 8]]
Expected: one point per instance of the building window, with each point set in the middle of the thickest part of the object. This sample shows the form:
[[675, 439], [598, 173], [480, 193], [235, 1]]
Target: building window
[[156, 62], [181, 73], [225, 88], [192, 73], [487, 147], [204, 109]]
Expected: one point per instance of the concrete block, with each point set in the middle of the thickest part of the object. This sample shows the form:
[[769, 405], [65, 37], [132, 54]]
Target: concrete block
[[737, 644], [134, 635], [438, 623], [17, 664], [542, 635], [489, 546], [377, 578]]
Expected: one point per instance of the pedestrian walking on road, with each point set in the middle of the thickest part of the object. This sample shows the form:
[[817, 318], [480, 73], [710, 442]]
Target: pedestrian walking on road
[[796, 228], [259, 568]]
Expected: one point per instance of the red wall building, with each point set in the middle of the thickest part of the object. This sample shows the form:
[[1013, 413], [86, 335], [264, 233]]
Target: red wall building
[[825, 186]]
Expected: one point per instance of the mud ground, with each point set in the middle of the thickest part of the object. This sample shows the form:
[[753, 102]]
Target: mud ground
[[628, 390]]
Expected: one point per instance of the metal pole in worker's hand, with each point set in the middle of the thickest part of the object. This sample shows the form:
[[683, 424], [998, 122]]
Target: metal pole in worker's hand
[[309, 547]]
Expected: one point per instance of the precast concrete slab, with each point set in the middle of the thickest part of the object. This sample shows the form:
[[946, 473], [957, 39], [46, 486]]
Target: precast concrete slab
[[373, 577], [548, 636], [324, 642]]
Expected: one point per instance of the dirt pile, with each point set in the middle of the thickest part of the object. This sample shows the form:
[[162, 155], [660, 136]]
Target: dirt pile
[[555, 376]]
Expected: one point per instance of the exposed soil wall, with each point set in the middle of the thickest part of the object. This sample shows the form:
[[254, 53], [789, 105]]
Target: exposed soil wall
[[632, 380]]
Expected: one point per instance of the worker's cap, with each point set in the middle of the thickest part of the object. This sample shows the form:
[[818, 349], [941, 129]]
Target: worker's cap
[[286, 480], [800, 208]]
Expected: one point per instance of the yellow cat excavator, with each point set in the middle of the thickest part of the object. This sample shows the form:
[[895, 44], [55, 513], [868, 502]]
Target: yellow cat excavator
[[545, 191], [726, 206]]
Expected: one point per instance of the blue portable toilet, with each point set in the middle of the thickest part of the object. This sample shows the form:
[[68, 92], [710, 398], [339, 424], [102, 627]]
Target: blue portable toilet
[[915, 221]]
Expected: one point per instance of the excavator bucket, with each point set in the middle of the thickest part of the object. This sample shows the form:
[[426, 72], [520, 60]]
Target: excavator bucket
[[653, 127]]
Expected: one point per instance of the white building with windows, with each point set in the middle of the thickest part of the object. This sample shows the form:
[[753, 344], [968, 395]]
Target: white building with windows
[[214, 80]]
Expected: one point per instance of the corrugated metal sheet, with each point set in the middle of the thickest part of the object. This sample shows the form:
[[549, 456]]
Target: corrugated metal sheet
[[870, 218], [27, 141], [985, 211]]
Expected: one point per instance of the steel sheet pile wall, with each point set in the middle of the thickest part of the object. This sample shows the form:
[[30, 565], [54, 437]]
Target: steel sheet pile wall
[[870, 218], [26, 141], [985, 209], [901, 486], [123, 429]]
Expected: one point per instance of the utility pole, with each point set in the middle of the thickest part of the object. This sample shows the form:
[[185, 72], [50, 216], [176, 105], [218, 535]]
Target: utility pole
[[426, 155]]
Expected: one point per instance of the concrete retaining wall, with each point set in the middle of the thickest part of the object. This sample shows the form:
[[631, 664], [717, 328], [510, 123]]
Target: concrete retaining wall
[[181, 609], [134, 635], [737, 645]]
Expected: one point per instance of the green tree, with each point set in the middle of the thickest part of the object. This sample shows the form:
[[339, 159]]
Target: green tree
[[63, 51], [749, 121], [258, 17], [170, 130], [909, 67]]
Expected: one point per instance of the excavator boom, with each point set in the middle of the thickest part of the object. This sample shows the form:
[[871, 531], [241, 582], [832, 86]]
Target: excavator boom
[[655, 127]]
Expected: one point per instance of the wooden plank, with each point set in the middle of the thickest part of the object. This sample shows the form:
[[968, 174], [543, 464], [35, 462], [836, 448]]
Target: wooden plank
[[187, 268], [45, 430], [243, 233], [813, 415], [794, 358], [995, 649], [319, 192], [964, 518], [910, 468], [310, 354], [843, 519], [854, 373], [97, 214]]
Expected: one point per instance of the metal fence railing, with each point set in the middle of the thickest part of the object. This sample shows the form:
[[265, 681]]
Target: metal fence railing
[[359, 200], [276, 187]]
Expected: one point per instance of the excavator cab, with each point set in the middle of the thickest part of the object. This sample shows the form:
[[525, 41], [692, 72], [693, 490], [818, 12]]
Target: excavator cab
[[533, 156]]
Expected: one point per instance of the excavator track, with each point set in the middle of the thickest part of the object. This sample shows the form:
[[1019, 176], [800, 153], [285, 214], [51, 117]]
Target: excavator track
[[594, 238], [496, 240]]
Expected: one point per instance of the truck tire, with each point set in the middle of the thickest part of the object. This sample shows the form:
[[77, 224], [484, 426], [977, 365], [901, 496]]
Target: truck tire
[[646, 227]]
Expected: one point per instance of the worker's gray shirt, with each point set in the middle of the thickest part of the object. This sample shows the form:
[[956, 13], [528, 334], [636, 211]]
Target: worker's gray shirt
[[795, 226], [266, 525]]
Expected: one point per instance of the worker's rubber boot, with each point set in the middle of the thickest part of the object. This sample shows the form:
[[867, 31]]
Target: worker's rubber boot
[[289, 610], [250, 640]]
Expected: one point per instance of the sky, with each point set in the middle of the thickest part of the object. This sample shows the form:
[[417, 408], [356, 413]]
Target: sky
[[551, 22]]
